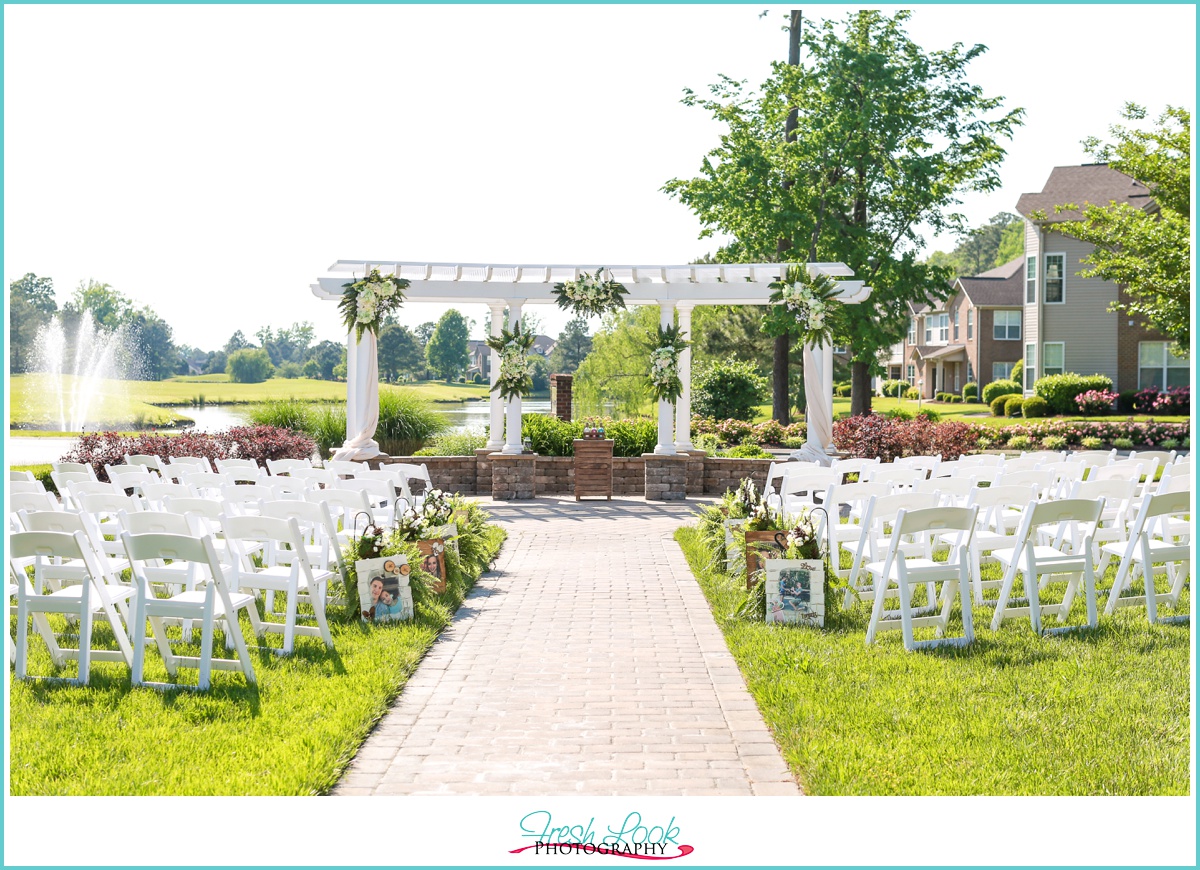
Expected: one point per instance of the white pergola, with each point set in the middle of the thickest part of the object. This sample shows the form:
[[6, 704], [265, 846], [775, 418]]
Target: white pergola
[[674, 289]]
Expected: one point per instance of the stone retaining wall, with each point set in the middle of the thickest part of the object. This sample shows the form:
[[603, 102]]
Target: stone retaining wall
[[555, 475]]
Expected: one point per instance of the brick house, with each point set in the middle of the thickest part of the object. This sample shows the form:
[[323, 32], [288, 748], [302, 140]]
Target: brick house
[[479, 354], [1067, 324]]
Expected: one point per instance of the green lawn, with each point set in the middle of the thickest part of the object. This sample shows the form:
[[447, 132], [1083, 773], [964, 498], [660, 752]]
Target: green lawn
[[292, 734], [1101, 711], [134, 404]]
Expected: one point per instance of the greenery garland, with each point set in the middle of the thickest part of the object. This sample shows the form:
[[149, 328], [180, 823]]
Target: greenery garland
[[515, 377], [591, 294], [808, 305], [367, 301], [664, 364]]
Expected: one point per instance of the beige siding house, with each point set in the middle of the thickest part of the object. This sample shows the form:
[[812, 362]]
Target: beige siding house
[[1067, 323]]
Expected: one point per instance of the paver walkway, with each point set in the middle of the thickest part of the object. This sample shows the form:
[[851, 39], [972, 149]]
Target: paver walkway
[[588, 662]]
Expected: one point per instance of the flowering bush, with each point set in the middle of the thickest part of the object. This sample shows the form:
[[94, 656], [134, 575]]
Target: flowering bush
[[591, 294], [1146, 432], [731, 432], [1090, 443], [1176, 400], [259, 443], [872, 436], [1060, 390], [1143, 400], [368, 300], [1093, 403]]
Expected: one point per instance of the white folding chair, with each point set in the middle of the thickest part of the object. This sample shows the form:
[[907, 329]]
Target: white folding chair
[[954, 468], [317, 476], [1063, 476], [204, 516], [345, 468], [293, 575], [896, 476], [318, 527], [993, 530], [345, 506], [1036, 562], [409, 473], [1026, 462], [800, 488], [63, 480], [908, 572], [1092, 458], [32, 501], [1118, 500], [1150, 546], [26, 486], [875, 535], [928, 464], [224, 465], [21, 477], [380, 493], [289, 488], [1043, 480], [144, 460], [953, 491], [209, 602], [175, 577], [81, 603], [278, 467], [155, 494], [206, 484], [244, 498], [72, 468], [854, 497], [855, 465], [130, 477], [1046, 457], [105, 509], [110, 564], [984, 459]]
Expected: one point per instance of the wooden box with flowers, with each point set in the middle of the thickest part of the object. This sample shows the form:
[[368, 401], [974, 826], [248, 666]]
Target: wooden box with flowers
[[593, 467]]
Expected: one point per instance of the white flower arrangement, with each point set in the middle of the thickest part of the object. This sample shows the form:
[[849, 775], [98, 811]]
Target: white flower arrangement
[[515, 377], [811, 303], [591, 294], [367, 301], [664, 364]]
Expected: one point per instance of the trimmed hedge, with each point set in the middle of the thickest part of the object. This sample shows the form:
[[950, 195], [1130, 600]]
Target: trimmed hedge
[[999, 388], [998, 405], [970, 391], [892, 389], [1060, 391], [1013, 406], [912, 393], [1035, 406]]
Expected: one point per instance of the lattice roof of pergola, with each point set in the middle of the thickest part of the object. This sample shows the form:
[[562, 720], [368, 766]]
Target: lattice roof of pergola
[[706, 284]]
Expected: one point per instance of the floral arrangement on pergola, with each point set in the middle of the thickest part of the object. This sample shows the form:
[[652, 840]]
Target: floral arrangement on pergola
[[595, 294], [665, 383], [368, 300], [515, 377], [809, 304]]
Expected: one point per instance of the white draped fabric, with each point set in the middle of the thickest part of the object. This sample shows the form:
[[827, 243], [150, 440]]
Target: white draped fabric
[[818, 412], [362, 399]]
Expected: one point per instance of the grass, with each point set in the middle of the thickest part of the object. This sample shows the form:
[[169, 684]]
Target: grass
[[1103, 711], [292, 734], [974, 413]]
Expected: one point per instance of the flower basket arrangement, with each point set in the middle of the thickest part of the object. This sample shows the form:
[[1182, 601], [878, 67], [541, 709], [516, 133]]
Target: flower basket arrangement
[[810, 302], [367, 301], [593, 294], [515, 378], [665, 384]]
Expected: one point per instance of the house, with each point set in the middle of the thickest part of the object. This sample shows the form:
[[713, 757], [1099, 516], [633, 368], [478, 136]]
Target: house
[[1067, 323], [974, 336], [479, 354]]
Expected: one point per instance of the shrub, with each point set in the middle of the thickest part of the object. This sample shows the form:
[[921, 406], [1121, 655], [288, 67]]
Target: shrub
[[1143, 400], [1091, 443], [1054, 442], [954, 399], [999, 388], [477, 378], [941, 397], [1176, 400], [1186, 443], [1137, 431], [1013, 406], [290, 370], [406, 422], [872, 435], [1020, 442], [894, 389], [455, 444], [899, 414], [747, 451], [970, 391], [1060, 390], [1035, 406], [1169, 444], [632, 437], [1094, 403], [793, 443], [259, 443], [842, 390], [1125, 401], [998, 405], [912, 393], [1018, 372], [250, 365], [729, 388], [1123, 443], [927, 414], [551, 436]]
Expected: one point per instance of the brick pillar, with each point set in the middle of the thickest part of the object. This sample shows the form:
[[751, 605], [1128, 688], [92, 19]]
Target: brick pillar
[[666, 476], [513, 475], [560, 396]]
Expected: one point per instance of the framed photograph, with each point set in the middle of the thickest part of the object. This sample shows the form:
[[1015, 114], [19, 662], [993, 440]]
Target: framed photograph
[[383, 589], [449, 533], [433, 561], [761, 546], [796, 591]]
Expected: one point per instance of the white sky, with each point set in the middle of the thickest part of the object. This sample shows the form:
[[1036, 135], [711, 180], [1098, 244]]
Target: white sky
[[210, 161]]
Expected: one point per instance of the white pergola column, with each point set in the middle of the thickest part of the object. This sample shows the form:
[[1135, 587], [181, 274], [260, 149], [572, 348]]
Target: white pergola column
[[683, 408], [512, 435], [666, 445], [827, 380], [496, 420]]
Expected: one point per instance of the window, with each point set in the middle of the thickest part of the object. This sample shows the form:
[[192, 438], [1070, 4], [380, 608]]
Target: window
[[970, 323], [1055, 279], [1001, 370], [1158, 367], [1030, 365], [1053, 354], [928, 329], [1030, 280], [1006, 325], [943, 323], [912, 374], [970, 372], [955, 318], [912, 330]]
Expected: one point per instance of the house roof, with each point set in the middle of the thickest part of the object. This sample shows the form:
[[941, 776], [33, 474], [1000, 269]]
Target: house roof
[[944, 351], [1095, 183], [995, 288]]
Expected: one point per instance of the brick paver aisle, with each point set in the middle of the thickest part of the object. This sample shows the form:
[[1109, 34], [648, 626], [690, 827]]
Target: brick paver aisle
[[588, 662]]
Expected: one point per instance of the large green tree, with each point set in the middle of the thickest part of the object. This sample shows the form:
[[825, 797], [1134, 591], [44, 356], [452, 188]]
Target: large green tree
[[888, 138], [446, 351], [31, 304], [399, 353], [616, 373], [286, 344], [155, 354], [999, 241], [1146, 250], [572, 348]]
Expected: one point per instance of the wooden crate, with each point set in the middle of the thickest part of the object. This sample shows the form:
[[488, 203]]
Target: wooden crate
[[593, 467]]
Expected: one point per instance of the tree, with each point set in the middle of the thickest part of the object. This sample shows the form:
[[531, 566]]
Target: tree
[[728, 388], [424, 332], [250, 365], [216, 363], [156, 354], [109, 308], [617, 371], [888, 138], [399, 353], [999, 241], [1146, 251], [237, 341], [286, 345], [446, 350], [573, 346], [326, 354], [31, 305]]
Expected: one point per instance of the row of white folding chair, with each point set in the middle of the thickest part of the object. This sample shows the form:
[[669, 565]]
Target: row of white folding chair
[[26, 486], [26, 476], [73, 468], [1154, 540]]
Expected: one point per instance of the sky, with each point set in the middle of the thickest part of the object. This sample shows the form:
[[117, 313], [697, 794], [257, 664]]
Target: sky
[[211, 161]]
